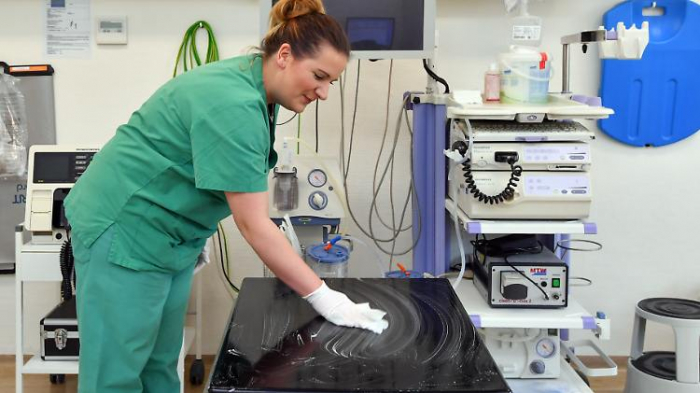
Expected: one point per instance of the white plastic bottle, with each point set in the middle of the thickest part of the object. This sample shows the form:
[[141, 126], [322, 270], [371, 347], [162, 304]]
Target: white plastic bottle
[[492, 83], [526, 29]]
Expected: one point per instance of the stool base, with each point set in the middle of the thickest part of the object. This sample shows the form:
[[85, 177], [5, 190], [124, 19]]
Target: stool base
[[640, 382]]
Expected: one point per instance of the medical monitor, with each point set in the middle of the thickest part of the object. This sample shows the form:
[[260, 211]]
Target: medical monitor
[[379, 29]]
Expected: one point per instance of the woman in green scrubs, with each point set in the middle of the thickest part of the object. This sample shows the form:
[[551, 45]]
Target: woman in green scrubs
[[198, 150]]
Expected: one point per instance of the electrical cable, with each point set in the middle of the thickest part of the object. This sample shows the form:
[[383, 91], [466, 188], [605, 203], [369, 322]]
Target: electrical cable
[[188, 48], [67, 263], [354, 118], [453, 193], [287, 121], [217, 248], [345, 169], [317, 126], [226, 254], [376, 192], [345, 165], [508, 192], [588, 282], [436, 77], [219, 231], [298, 132], [391, 176]]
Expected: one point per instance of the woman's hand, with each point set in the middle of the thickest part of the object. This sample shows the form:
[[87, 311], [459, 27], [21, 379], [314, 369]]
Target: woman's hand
[[337, 308]]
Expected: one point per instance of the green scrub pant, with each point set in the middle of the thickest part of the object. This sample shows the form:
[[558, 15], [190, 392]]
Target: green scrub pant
[[130, 323]]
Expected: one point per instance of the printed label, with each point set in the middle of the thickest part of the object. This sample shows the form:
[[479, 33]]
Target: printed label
[[526, 33], [537, 271], [20, 197]]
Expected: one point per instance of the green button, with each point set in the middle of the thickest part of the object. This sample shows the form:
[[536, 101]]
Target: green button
[[556, 283]]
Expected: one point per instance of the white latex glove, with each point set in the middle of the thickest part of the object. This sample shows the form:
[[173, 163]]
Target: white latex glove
[[337, 308]]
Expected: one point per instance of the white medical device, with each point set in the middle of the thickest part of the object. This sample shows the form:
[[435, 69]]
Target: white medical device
[[564, 156], [307, 190], [523, 170], [52, 172], [539, 195], [524, 353]]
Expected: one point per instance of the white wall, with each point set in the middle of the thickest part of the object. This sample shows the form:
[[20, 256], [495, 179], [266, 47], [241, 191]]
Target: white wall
[[644, 204]]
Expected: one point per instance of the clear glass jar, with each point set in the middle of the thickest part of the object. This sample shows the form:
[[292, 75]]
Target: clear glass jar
[[330, 263]]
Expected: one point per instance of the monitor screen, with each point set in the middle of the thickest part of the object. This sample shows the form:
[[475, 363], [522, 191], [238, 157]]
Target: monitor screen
[[380, 29], [52, 168], [370, 33]]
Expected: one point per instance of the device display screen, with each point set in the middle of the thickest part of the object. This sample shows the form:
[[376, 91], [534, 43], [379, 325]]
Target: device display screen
[[52, 168], [379, 25], [370, 33]]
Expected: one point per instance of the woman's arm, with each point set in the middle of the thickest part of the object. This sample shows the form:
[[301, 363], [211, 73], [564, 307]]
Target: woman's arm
[[250, 213], [251, 216]]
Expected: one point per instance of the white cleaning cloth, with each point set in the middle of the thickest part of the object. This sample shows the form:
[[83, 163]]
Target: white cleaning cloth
[[337, 308]]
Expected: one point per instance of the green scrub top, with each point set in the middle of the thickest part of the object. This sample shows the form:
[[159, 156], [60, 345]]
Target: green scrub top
[[160, 181]]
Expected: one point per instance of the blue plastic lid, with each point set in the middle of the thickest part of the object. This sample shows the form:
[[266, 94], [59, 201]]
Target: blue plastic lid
[[336, 254], [400, 274]]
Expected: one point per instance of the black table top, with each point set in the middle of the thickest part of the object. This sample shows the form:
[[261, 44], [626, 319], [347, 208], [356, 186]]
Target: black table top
[[276, 342]]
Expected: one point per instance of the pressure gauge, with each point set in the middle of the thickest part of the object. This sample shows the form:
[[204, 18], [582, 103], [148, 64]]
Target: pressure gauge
[[546, 348], [317, 178]]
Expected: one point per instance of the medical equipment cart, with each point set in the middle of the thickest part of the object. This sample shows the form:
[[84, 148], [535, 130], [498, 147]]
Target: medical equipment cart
[[40, 263], [430, 114]]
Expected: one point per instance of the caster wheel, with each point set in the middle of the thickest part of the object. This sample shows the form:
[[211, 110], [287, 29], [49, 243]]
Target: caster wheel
[[197, 372], [57, 379]]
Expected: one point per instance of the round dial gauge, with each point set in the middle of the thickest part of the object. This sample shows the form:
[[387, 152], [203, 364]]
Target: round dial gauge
[[317, 178], [318, 200], [546, 347]]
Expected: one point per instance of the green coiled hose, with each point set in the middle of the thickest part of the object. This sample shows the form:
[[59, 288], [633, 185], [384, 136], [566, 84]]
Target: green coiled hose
[[188, 49]]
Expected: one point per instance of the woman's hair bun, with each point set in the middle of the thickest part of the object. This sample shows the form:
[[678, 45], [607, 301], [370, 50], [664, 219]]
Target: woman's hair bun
[[286, 10]]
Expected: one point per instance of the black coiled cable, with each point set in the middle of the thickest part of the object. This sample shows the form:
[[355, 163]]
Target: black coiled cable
[[507, 193], [67, 263]]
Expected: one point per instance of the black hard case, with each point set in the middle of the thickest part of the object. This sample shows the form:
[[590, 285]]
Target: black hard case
[[61, 321]]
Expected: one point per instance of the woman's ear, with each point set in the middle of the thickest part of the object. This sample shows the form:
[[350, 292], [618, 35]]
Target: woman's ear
[[284, 55]]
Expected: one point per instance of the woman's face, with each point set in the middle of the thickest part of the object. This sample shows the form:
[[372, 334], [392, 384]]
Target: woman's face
[[303, 80]]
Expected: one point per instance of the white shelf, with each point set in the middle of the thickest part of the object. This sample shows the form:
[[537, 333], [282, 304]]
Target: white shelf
[[558, 107], [568, 382], [42, 263], [520, 226], [36, 365], [483, 316]]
